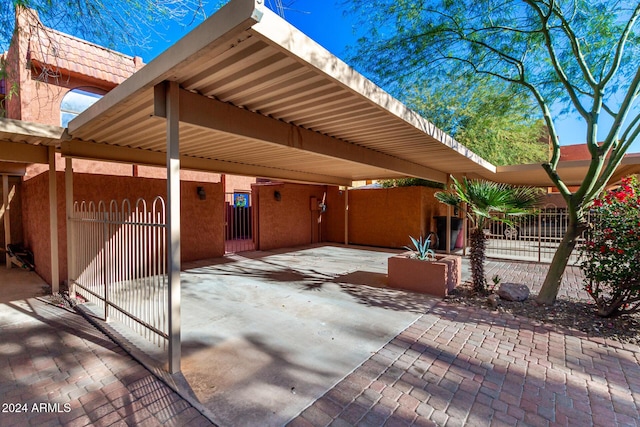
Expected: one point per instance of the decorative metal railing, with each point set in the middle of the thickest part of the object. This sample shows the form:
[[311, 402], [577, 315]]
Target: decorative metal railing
[[531, 238], [119, 263]]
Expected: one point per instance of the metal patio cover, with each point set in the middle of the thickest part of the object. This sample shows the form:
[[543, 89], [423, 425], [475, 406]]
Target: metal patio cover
[[259, 98]]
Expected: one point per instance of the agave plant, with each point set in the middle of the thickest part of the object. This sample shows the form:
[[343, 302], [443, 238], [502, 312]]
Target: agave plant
[[487, 201], [421, 249]]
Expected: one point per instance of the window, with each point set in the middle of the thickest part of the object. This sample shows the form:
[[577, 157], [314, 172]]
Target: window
[[75, 102]]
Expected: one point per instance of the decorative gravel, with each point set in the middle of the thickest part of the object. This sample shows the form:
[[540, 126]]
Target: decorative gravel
[[567, 313]]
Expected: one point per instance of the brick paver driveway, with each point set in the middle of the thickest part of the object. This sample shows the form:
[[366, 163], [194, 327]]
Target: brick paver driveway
[[468, 366], [58, 370]]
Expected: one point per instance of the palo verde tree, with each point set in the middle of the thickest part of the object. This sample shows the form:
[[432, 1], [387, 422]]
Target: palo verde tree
[[582, 53]]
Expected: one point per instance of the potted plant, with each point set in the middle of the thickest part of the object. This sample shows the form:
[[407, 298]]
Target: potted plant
[[422, 270]]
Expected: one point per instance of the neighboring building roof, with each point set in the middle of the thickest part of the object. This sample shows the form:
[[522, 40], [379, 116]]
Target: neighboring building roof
[[48, 47], [574, 152]]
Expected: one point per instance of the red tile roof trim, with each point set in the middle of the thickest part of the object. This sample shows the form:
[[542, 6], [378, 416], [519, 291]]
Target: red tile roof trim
[[62, 51]]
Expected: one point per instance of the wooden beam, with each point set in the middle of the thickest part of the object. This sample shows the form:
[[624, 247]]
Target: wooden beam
[[13, 169], [113, 153], [209, 113], [12, 128], [23, 153]]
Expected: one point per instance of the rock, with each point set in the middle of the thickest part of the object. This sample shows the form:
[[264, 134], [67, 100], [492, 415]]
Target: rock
[[492, 300], [513, 291]]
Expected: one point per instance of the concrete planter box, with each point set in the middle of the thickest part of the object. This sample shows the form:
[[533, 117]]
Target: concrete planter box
[[436, 278]]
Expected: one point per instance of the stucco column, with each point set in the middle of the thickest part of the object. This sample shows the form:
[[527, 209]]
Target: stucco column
[[53, 222], [6, 215], [68, 192], [346, 215]]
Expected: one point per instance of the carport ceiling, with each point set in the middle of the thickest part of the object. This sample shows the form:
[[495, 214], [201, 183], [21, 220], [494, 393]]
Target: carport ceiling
[[260, 98]]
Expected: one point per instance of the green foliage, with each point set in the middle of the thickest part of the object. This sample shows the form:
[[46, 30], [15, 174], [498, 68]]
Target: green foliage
[[487, 201], [611, 255], [421, 249], [410, 182], [112, 24], [485, 116], [583, 54]]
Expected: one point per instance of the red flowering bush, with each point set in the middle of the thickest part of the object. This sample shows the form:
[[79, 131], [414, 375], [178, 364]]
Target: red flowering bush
[[611, 253]]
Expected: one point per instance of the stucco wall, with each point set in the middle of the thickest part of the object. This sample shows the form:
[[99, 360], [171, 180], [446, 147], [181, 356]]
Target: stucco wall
[[15, 213], [202, 220], [383, 217], [35, 220], [290, 220]]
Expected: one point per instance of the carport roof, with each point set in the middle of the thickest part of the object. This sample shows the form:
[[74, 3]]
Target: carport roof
[[258, 97], [572, 172], [26, 142]]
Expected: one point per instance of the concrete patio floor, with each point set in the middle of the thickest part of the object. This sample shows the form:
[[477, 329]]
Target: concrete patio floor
[[267, 333]]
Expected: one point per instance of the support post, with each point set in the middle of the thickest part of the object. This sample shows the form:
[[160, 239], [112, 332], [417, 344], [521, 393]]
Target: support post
[[447, 238], [173, 222], [7, 216], [448, 228], [68, 195], [465, 229], [346, 215], [53, 221]]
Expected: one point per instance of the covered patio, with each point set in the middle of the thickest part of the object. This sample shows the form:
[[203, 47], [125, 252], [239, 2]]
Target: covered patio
[[246, 93], [263, 335]]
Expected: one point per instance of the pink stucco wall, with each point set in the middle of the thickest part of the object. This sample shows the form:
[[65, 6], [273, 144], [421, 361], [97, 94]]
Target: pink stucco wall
[[202, 225], [290, 220], [383, 217], [377, 217]]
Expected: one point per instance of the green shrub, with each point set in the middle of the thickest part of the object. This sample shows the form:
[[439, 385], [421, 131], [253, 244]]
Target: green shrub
[[411, 182], [611, 253]]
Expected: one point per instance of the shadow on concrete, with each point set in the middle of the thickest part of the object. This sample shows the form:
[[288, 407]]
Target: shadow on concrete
[[265, 336]]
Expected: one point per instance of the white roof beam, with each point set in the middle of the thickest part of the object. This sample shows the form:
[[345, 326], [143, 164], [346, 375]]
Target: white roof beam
[[112, 153], [204, 112]]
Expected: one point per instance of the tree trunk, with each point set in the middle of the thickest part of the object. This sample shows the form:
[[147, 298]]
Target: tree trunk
[[552, 281], [477, 241]]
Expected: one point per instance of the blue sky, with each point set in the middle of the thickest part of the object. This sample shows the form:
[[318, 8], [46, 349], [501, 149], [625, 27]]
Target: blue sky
[[326, 23]]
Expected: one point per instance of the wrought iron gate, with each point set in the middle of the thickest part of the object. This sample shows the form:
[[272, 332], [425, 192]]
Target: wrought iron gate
[[238, 222], [531, 238], [119, 263]]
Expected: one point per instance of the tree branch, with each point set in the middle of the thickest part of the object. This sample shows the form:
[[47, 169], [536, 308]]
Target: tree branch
[[620, 46], [554, 58], [625, 107], [575, 45]]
